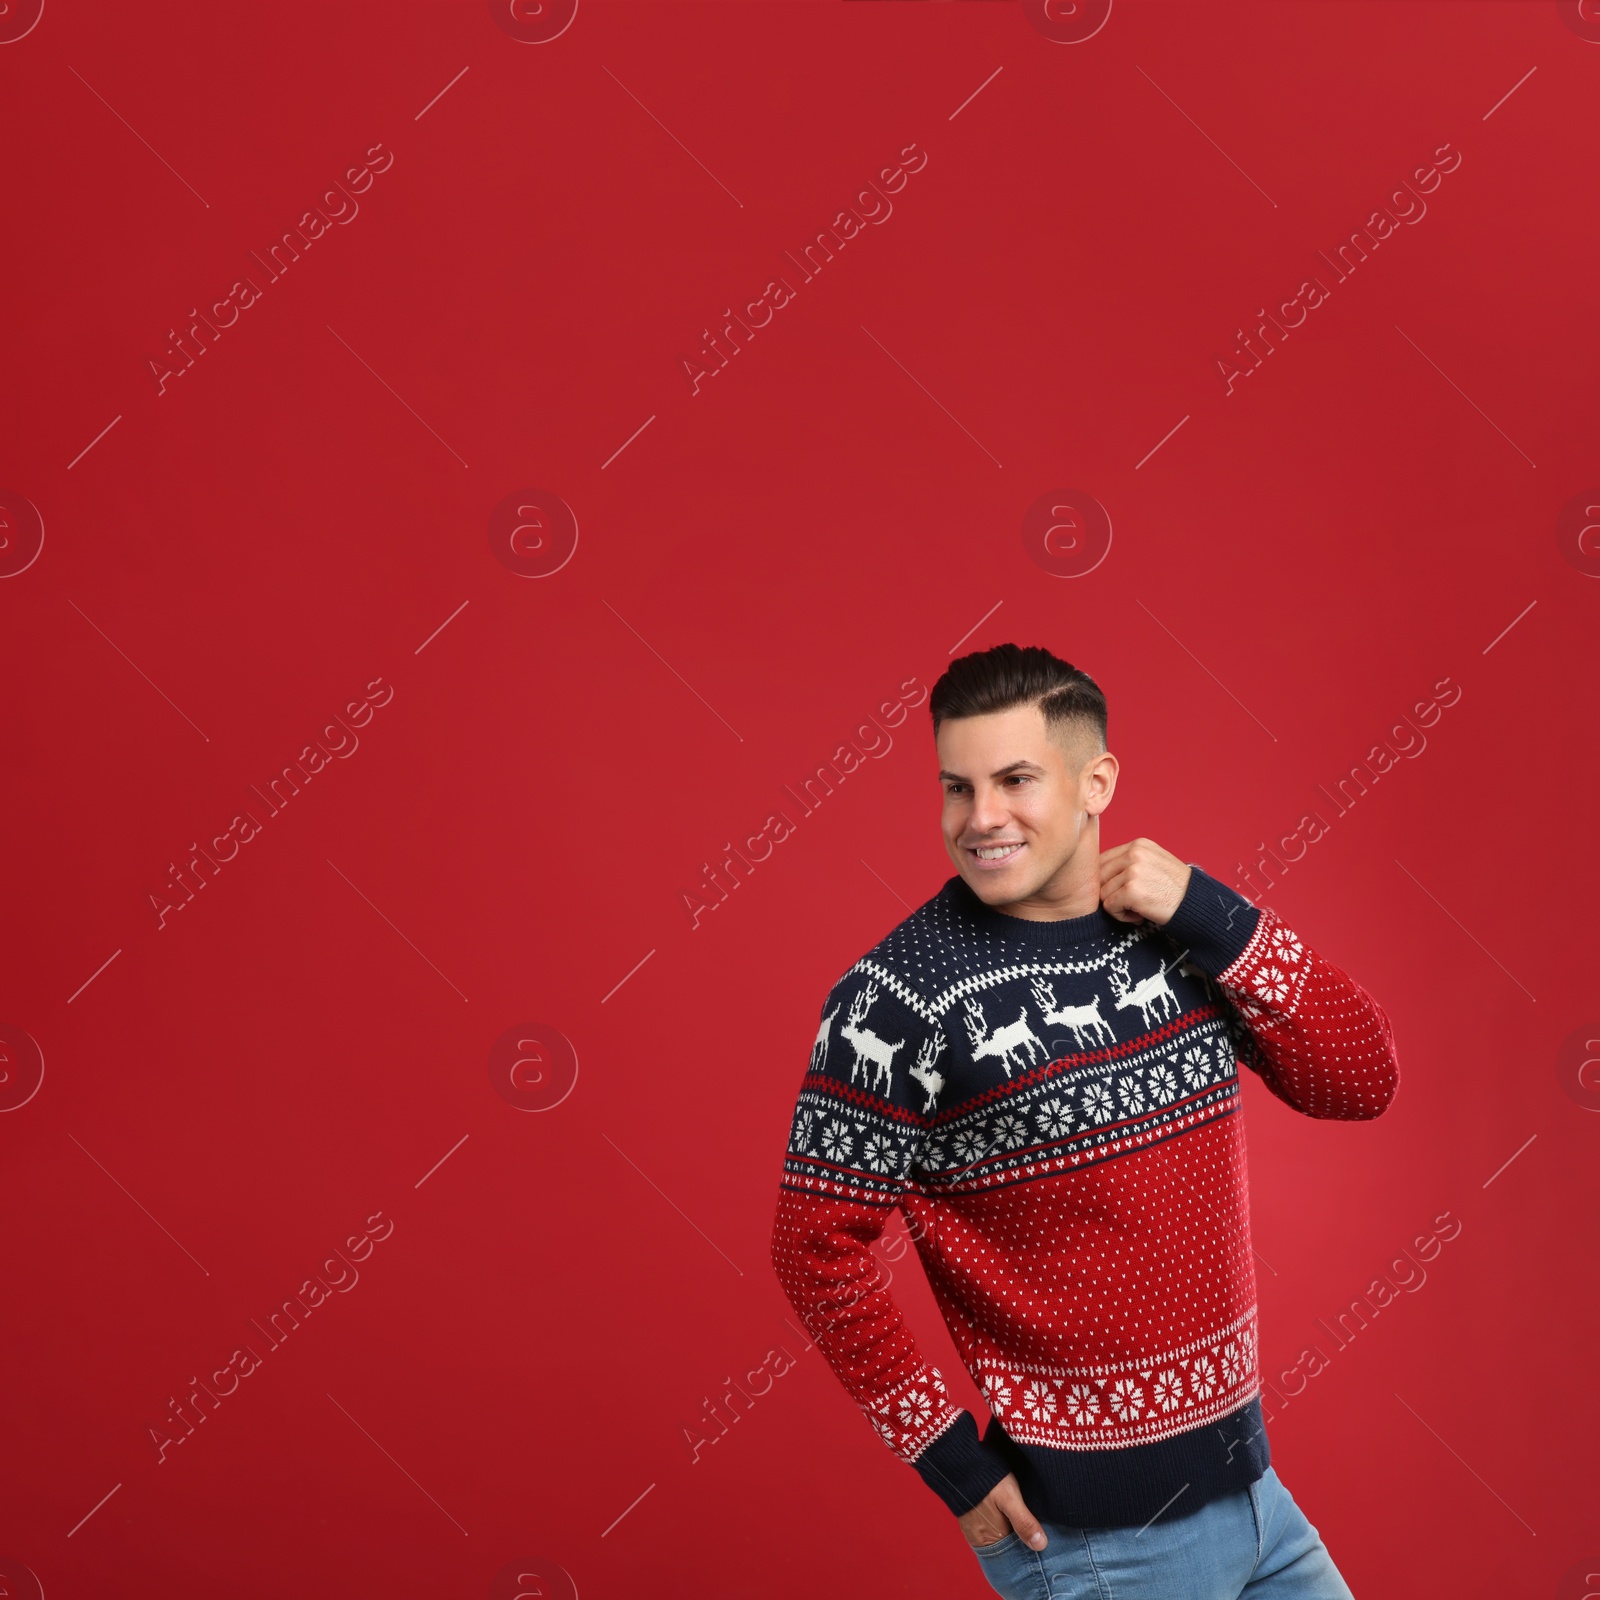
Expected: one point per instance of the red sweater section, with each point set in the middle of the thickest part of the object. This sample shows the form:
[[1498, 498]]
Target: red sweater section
[[1080, 1202]]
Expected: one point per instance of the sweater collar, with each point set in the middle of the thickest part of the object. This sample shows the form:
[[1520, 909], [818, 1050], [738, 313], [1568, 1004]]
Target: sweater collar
[[1098, 927]]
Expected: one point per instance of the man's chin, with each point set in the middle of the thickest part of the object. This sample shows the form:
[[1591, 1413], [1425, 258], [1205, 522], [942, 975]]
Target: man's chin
[[999, 889]]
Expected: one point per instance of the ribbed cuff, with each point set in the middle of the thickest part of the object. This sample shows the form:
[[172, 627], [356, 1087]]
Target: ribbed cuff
[[959, 1467], [1213, 922]]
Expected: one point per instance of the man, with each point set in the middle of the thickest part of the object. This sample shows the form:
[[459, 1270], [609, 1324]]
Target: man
[[1038, 1067]]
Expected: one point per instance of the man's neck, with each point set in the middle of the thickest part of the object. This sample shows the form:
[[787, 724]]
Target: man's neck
[[1071, 891]]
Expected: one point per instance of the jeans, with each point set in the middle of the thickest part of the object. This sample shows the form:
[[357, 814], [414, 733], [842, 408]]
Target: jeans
[[1256, 1544]]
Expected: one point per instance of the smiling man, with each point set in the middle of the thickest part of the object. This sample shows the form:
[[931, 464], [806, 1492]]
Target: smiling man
[[1038, 1067]]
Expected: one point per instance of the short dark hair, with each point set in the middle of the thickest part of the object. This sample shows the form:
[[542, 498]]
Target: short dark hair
[[1018, 675]]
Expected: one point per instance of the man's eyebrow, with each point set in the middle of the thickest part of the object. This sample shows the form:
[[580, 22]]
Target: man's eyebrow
[[999, 772]]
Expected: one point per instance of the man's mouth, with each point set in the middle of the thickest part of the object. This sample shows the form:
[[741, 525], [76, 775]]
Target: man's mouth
[[996, 854]]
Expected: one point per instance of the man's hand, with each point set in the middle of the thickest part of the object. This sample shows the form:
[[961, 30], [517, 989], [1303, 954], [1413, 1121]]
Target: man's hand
[[1141, 882], [1000, 1511]]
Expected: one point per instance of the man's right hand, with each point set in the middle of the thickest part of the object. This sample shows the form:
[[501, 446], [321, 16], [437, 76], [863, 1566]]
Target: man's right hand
[[1000, 1512]]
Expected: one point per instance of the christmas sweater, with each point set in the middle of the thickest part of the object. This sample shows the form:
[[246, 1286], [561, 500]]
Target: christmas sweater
[[1055, 1108]]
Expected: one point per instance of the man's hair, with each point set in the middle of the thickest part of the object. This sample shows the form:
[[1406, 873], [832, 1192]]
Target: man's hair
[[1018, 675]]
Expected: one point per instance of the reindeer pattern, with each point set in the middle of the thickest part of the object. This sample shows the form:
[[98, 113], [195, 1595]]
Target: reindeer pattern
[[871, 1051], [1036, 1014]]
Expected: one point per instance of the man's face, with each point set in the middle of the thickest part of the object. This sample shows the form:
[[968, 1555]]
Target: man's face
[[1017, 801]]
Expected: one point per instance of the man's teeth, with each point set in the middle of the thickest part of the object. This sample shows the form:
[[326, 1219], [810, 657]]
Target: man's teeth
[[993, 852]]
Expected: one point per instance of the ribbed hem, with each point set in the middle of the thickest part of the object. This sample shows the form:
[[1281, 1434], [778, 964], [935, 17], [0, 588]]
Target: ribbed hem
[[1213, 922], [1098, 925], [960, 1467], [1157, 1482]]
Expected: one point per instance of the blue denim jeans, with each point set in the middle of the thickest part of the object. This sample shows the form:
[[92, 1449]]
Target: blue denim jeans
[[1256, 1544]]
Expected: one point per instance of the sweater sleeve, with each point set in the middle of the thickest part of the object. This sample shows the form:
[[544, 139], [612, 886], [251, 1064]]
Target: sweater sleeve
[[1313, 1035], [858, 1123]]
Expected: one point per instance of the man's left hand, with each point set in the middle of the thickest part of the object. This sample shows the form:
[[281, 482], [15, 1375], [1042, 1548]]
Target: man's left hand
[[1141, 882]]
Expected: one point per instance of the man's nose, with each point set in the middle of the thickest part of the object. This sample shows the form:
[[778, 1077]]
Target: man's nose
[[989, 810]]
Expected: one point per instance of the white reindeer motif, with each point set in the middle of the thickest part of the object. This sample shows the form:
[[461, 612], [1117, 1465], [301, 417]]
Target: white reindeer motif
[[1080, 1019], [1149, 994], [922, 1069], [869, 1048], [822, 1041], [1003, 1042]]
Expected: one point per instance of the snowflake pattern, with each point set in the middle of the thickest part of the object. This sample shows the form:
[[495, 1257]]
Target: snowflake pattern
[[1059, 1112], [1009, 1131], [1208, 1381], [996, 1391], [1083, 1405], [968, 1146], [1166, 1389], [837, 1142], [1127, 1399], [916, 1407], [1097, 1103], [1039, 1402], [1284, 947], [879, 1153], [1272, 984], [1054, 1118], [1232, 1363]]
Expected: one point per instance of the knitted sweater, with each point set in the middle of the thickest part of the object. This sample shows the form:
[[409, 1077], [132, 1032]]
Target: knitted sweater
[[1055, 1109]]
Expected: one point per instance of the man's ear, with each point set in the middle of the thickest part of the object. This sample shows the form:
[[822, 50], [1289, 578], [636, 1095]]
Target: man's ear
[[1102, 767]]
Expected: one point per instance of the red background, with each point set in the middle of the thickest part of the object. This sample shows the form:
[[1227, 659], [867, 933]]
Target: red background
[[833, 514]]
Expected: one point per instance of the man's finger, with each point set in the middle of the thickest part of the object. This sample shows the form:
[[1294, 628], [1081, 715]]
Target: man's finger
[[1023, 1520]]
